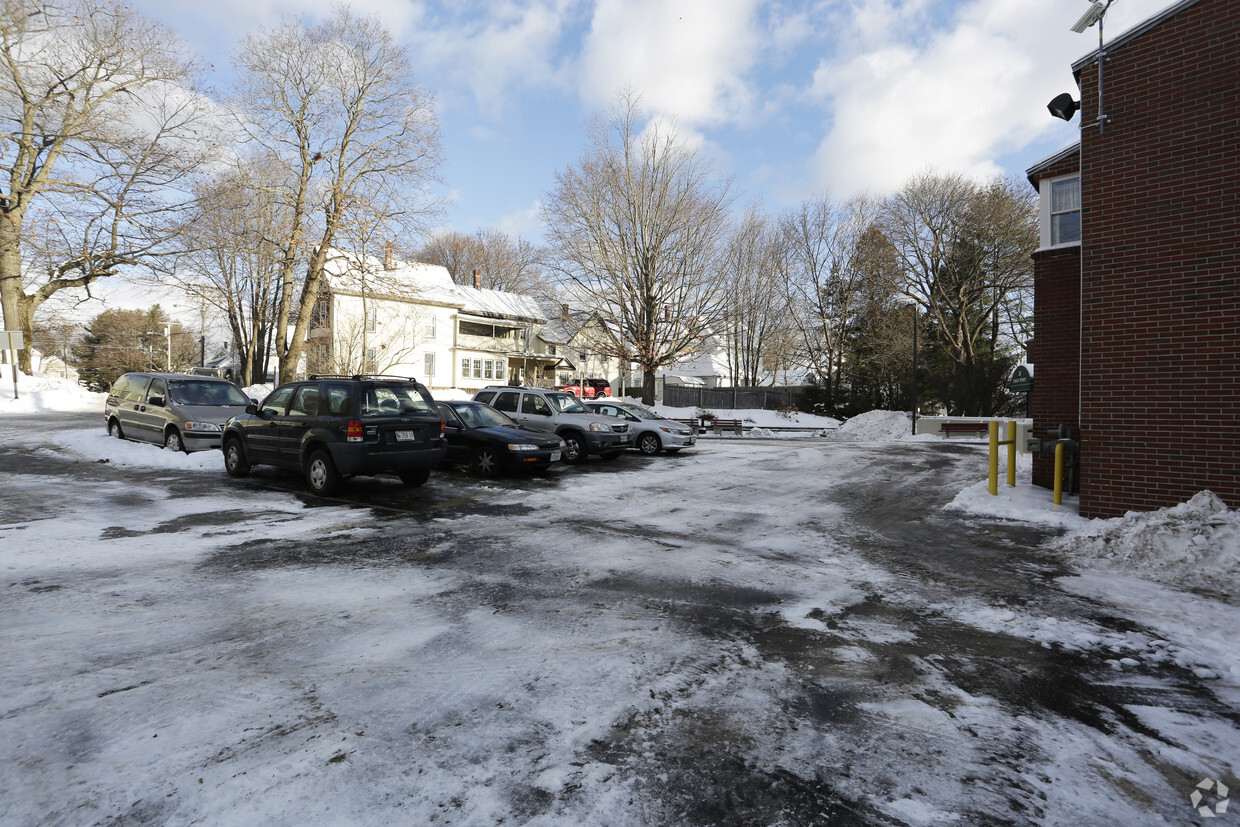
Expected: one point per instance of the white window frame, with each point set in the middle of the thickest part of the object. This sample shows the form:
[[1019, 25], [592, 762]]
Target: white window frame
[[428, 365], [1046, 216]]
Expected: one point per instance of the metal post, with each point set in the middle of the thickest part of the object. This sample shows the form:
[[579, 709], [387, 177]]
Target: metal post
[[1058, 498], [915, 383], [1011, 446], [168, 339], [993, 484]]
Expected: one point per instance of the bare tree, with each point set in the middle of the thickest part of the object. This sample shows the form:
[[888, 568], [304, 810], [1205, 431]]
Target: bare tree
[[503, 262], [103, 131], [637, 228], [963, 250], [232, 259], [453, 251], [824, 278], [755, 317], [337, 105]]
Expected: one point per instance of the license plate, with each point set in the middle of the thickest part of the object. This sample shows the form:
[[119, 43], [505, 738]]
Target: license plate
[[406, 436], [555, 456]]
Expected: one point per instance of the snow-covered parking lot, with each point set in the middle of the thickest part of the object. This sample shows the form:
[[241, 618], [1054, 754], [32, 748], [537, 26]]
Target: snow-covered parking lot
[[766, 632]]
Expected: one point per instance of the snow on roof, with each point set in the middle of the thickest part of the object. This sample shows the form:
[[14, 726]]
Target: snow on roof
[[417, 281]]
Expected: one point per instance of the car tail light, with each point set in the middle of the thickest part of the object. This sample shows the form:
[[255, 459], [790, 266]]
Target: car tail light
[[354, 433], [441, 428]]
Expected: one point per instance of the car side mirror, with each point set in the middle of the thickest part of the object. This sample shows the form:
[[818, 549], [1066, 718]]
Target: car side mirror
[[157, 401], [252, 408]]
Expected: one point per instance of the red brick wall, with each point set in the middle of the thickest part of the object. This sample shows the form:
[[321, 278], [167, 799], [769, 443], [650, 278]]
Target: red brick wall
[[1160, 285], [1055, 350]]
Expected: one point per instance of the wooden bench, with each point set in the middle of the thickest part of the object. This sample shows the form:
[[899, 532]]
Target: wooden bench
[[721, 425], [978, 428], [692, 424]]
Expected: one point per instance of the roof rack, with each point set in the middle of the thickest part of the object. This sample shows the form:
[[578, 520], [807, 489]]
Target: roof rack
[[363, 376]]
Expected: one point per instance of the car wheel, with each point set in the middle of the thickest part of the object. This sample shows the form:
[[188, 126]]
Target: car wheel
[[416, 478], [486, 462], [649, 444], [235, 462], [114, 429], [174, 442], [574, 448], [321, 474]]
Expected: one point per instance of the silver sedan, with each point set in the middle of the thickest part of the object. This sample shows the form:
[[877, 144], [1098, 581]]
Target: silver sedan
[[651, 432]]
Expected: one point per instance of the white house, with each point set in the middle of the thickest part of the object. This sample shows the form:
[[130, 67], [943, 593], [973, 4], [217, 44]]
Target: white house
[[578, 338], [411, 319]]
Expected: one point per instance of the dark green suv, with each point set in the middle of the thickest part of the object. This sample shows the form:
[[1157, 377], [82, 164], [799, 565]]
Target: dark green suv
[[332, 427]]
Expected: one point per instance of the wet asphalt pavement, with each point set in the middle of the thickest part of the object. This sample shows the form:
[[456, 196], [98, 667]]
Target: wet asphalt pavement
[[880, 690]]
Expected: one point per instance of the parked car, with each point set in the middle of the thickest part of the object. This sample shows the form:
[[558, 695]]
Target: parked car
[[587, 388], [652, 433], [491, 442], [181, 412], [333, 427], [562, 414]]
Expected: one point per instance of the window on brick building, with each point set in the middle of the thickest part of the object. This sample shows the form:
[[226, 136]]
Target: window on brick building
[[1061, 211]]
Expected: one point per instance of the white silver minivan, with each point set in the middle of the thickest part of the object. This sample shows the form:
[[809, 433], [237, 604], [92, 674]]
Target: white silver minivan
[[178, 411]]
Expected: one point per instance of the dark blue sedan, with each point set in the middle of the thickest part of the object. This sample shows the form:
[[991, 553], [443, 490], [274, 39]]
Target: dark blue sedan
[[490, 442]]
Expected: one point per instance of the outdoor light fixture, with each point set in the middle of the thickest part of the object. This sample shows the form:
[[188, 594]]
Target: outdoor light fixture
[[1097, 11], [1089, 18], [1063, 106]]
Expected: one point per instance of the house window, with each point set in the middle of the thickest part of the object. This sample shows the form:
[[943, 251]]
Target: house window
[[372, 356], [499, 370], [488, 369], [429, 365], [1061, 211], [465, 368], [477, 368], [372, 319]]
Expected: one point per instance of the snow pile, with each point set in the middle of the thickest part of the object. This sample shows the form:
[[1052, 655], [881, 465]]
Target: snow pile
[[1193, 545], [43, 393], [1025, 502], [874, 426]]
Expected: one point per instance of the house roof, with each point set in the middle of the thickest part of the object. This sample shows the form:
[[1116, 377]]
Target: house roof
[[1049, 161], [1133, 33], [426, 283]]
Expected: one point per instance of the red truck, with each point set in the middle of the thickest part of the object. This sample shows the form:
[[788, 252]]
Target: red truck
[[587, 388]]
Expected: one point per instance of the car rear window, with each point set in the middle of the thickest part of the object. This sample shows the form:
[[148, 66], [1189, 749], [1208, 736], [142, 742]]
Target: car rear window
[[396, 400]]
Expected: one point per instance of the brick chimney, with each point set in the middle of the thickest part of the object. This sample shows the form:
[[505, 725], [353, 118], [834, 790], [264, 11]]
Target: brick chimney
[[477, 279], [388, 264]]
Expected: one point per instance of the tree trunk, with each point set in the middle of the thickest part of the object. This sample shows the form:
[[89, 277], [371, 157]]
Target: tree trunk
[[11, 295], [648, 379]]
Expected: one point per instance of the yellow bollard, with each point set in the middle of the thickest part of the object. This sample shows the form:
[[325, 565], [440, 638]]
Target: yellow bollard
[[1058, 500], [1011, 444], [994, 459]]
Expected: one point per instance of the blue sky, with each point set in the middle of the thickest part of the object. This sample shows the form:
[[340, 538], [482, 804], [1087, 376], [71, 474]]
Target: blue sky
[[790, 99]]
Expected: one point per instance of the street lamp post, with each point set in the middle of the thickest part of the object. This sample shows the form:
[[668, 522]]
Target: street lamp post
[[915, 383], [911, 303]]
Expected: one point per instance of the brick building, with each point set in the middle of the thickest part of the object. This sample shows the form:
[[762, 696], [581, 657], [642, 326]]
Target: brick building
[[1137, 279]]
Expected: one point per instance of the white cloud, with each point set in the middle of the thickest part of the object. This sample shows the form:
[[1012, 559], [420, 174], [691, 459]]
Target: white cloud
[[523, 223], [494, 49], [957, 98], [687, 59]]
